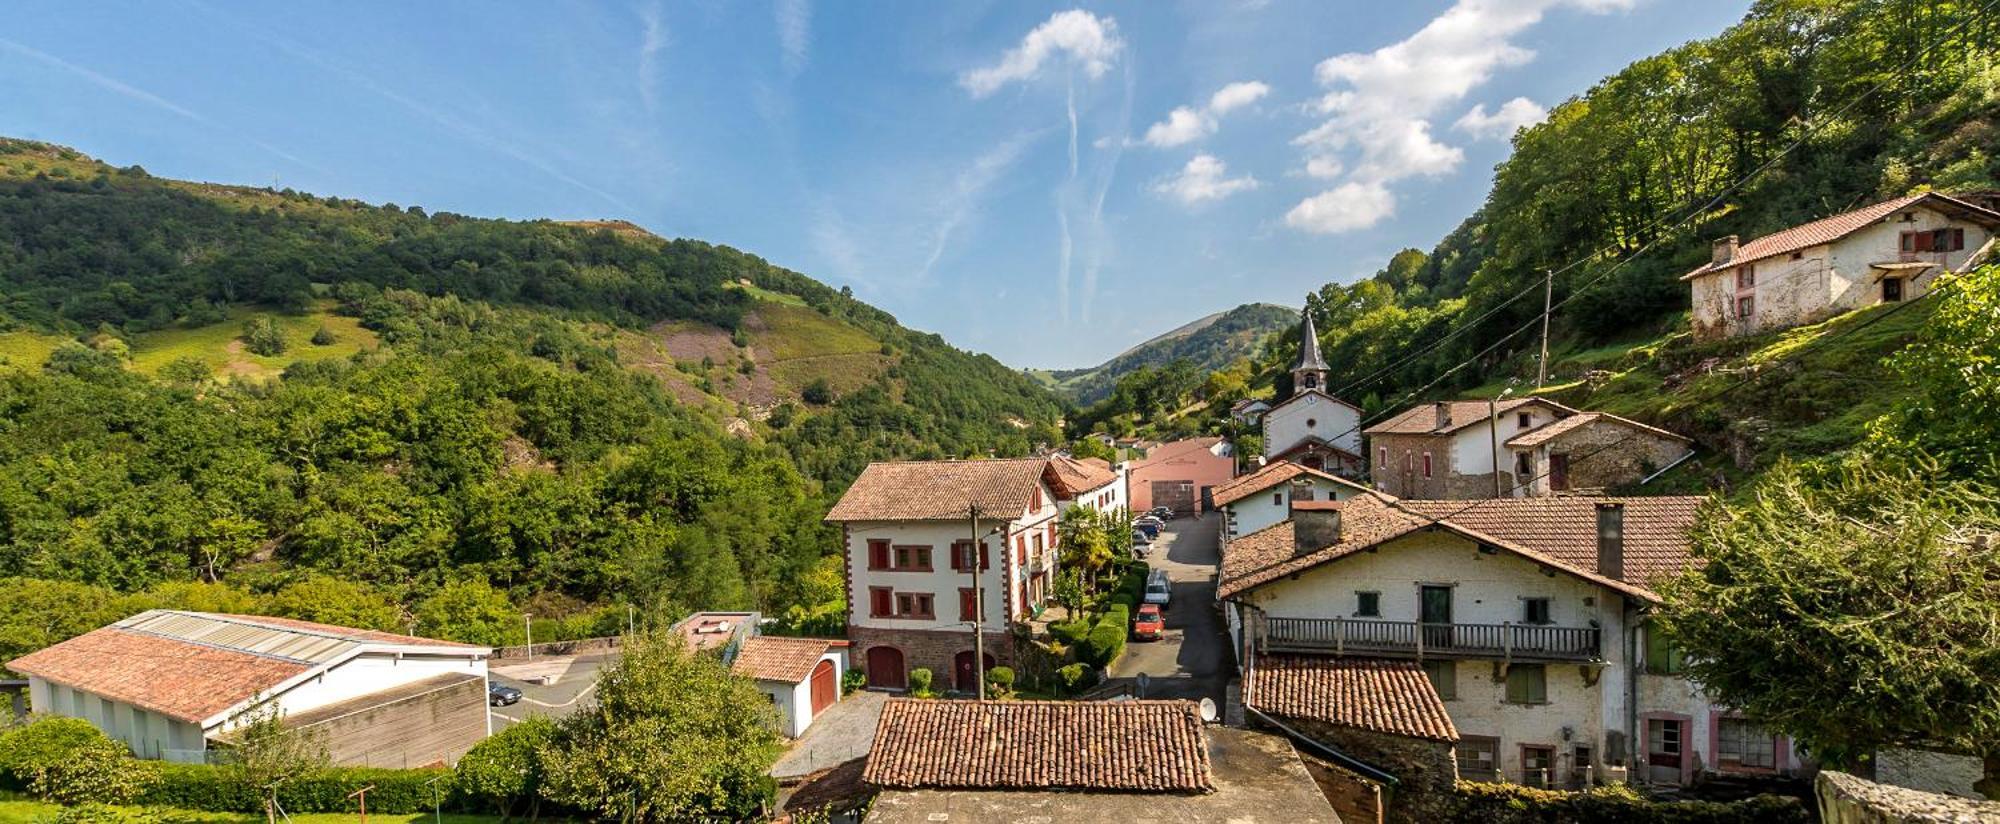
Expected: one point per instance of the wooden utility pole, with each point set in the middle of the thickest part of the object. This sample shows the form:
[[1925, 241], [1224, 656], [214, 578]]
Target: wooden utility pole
[[1493, 429], [1548, 293], [978, 600], [362, 794]]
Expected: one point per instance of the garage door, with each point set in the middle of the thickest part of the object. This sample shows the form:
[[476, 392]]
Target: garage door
[[1175, 495], [824, 690]]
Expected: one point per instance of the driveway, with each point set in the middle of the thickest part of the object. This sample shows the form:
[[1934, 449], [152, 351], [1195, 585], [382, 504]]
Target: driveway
[[1191, 659], [575, 681], [842, 733]]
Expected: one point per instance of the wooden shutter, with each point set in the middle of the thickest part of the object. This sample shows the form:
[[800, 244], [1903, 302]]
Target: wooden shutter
[[968, 604], [881, 602], [1021, 549], [878, 554], [1957, 239], [1924, 243], [985, 560]]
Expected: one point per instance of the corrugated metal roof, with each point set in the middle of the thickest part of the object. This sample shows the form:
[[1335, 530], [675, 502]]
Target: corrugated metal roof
[[286, 643]]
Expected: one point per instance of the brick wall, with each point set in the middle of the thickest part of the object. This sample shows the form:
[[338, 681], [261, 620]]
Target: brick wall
[[1357, 799], [935, 650]]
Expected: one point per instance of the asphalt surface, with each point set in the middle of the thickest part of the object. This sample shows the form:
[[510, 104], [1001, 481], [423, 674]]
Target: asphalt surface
[[576, 680], [1192, 659]]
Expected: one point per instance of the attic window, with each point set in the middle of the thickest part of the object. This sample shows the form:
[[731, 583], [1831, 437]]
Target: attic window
[[1909, 217], [1527, 420], [1312, 422]]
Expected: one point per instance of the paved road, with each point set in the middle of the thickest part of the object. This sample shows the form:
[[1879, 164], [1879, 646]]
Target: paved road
[[1192, 660], [576, 680]]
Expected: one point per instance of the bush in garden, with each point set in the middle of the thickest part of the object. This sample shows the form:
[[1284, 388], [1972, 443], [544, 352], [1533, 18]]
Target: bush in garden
[[1483, 803], [1070, 633], [1076, 678], [852, 680], [920, 682], [68, 761], [505, 770], [221, 788], [1001, 680]]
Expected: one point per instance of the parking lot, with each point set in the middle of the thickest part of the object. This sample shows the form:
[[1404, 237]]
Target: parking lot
[[1192, 658], [575, 678]]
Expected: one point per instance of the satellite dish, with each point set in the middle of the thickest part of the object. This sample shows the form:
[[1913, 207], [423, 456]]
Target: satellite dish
[[1208, 710]]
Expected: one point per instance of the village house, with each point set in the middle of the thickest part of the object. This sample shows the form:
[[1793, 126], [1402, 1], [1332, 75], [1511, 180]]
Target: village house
[[933, 547], [801, 676], [1249, 411], [1312, 427], [1884, 253], [1528, 617], [1181, 475], [1252, 502], [1091, 482], [974, 761], [1450, 449], [174, 685]]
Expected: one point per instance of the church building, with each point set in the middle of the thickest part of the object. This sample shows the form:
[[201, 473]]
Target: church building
[[1312, 428]]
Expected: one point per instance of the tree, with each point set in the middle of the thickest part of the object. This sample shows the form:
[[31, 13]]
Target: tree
[[1853, 609], [330, 600], [68, 761], [1082, 448], [1953, 413], [673, 736], [817, 393], [262, 336], [505, 770], [471, 611], [186, 369], [264, 753], [1089, 540], [323, 337]]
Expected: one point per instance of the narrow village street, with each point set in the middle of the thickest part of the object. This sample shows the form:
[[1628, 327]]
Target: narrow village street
[[1192, 659]]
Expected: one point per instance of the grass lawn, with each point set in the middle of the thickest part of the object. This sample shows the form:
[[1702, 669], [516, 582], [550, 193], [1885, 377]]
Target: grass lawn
[[218, 346], [23, 349], [38, 812]]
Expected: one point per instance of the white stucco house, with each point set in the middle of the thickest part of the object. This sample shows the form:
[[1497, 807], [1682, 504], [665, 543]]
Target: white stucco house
[[801, 676], [1250, 503], [1883, 253], [1311, 427], [1092, 482], [1527, 615], [173, 685]]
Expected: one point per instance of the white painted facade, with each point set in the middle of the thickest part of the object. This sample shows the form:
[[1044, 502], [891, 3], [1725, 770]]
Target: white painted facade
[[1473, 447], [1004, 580], [1820, 281], [1273, 503], [1111, 497], [794, 701], [1312, 414], [1589, 703]]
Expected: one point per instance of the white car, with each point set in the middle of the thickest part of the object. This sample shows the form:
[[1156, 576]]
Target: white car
[[1157, 589]]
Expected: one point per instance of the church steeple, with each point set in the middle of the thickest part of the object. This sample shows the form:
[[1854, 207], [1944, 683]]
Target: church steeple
[[1312, 369]]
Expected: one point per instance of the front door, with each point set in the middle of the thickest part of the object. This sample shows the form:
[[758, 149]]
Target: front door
[[1559, 471], [1435, 606], [1665, 747], [965, 677], [824, 690]]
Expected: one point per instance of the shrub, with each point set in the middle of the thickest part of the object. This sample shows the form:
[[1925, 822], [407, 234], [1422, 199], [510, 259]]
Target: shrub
[[1076, 678], [1070, 632], [68, 761], [817, 393], [1105, 642], [323, 337], [505, 770], [1482, 803], [852, 680], [262, 336], [1001, 679], [920, 682]]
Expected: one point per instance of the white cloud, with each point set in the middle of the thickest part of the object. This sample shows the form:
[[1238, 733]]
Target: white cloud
[[1503, 123], [1186, 124], [794, 33], [1324, 168], [960, 201], [1204, 178], [1084, 38], [1343, 208], [1379, 105], [652, 41]]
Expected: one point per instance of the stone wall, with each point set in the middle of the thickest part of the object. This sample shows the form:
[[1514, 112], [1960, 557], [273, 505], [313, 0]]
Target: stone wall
[[1426, 770], [1606, 455], [1848, 799], [1357, 799], [431, 727], [934, 650], [1394, 479], [1935, 771]]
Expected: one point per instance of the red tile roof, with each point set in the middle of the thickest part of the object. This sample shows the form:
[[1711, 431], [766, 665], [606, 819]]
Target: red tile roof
[[1277, 472], [772, 658], [940, 490], [1069, 478], [1165, 451], [1830, 229], [1554, 429], [1422, 418], [183, 681], [1365, 693], [1121, 746]]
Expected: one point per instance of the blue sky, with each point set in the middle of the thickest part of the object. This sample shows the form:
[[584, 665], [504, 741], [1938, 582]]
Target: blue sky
[[1046, 183]]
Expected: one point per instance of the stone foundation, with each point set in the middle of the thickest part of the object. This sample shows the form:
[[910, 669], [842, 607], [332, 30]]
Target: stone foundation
[[1427, 770], [1847, 799], [935, 650]]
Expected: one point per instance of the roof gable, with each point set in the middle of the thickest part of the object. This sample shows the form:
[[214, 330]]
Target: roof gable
[[1422, 418], [1300, 394], [1070, 478], [1273, 474], [774, 658], [940, 490]]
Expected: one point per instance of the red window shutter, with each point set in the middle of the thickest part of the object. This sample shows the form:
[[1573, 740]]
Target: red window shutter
[[1957, 239], [968, 604], [985, 560], [880, 602], [1923, 240], [1021, 550], [1427, 464], [878, 554]]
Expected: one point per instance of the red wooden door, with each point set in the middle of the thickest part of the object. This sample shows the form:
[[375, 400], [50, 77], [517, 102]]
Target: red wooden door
[[824, 690], [964, 676], [885, 668]]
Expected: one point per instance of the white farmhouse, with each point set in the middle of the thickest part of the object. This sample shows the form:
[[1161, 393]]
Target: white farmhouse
[[933, 547], [1252, 502], [1884, 253], [172, 685], [1528, 615], [1091, 482], [1311, 427]]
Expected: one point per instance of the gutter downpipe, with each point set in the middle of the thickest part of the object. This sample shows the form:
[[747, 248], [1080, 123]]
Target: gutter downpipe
[[1663, 470], [1343, 759], [1632, 668]]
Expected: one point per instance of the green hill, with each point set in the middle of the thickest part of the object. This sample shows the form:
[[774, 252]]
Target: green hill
[[1208, 343], [235, 398]]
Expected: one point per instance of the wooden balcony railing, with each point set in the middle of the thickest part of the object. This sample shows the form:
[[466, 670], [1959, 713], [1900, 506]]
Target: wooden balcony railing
[[1523, 642]]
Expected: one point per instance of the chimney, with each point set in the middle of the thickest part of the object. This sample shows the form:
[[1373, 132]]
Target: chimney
[[1315, 525], [1611, 540], [1443, 415], [1724, 250]]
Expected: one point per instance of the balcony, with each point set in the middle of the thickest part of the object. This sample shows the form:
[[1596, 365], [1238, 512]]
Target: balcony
[[1514, 642]]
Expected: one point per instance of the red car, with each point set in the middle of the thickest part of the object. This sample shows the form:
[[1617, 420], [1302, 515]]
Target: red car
[[1149, 623]]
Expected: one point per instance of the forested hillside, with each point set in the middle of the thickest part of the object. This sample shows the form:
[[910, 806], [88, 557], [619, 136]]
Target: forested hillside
[[1619, 192], [238, 398], [1207, 344]]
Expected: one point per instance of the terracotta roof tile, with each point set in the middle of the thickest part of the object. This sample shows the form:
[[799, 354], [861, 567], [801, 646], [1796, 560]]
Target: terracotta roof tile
[[939, 490], [1422, 418], [1161, 452], [1365, 693], [1562, 426], [1123, 746], [184, 681], [772, 658], [1271, 475], [1069, 478], [1269, 553], [1565, 528]]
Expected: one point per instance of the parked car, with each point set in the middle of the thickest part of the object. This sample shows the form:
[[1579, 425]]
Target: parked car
[[1149, 624], [1148, 519], [1157, 589], [1162, 512], [1151, 530], [501, 695]]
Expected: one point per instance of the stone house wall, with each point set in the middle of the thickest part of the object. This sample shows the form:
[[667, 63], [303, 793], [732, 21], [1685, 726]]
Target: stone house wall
[[1402, 473], [935, 650], [1604, 455], [1426, 770]]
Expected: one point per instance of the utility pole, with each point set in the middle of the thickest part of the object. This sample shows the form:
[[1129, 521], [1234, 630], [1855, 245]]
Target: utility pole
[[978, 600], [1493, 429], [1548, 293], [529, 622]]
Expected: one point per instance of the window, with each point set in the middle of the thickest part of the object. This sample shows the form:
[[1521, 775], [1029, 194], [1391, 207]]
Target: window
[[911, 558], [1277, 499], [1662, 658], [881, 602], [1536, 762], [1746, 306], [878, 554], [1527, 684], [1311, 381], [1427, 464], [1444, 678], [914, 605], [1795, 256], [1478, 757], [1039, 546], [1312, 423], [1302, 493], [968, 604], [1580, 759], [1744, 744], [1037, 501], [1525, 420], [1021, 550], [1368, 604], [1535, 610], [1382, 456], [1892, 290], [1524, 464], [1409, 461], [1746, 277], [961, 556]]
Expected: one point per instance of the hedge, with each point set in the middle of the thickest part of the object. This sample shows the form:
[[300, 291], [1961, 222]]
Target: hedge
[[1482, 803], [210, 787], [1107, 639], [1070, 633]]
